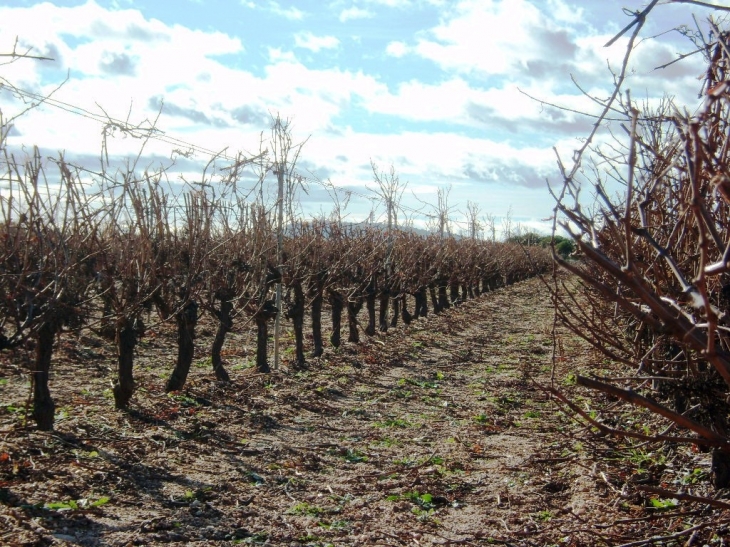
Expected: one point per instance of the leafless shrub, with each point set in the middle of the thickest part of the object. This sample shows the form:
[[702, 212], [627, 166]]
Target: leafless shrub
[[656, 260], [47, 261]]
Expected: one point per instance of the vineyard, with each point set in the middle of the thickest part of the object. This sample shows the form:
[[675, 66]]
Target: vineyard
[[120, 266], [197, 362], [115, 264]]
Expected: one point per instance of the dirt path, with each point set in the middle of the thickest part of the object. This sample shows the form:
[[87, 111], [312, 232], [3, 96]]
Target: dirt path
[[430, 435]]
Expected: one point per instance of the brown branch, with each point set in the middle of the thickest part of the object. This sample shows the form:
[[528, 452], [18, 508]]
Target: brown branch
[[653, 406], [26, 56], [573, 110], [667, 318], [703, 4], [639, 19], [625, 434], [682, 56], [682, 496], [665, 539]]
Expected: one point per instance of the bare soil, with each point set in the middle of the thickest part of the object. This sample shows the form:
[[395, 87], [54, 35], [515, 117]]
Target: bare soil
[[433, 434]]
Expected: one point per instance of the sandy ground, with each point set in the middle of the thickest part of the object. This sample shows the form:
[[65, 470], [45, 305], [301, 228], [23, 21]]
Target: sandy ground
[[432, 434]]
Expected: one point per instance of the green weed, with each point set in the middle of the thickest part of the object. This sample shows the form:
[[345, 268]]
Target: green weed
[[544, 516], [205, 363], [663, 504], [425, 384], [695, 477], [388, 442], [402, 393], [644, 459], [74, 505], [335, 525], [306, 509], [184, 400], [355, 456], [243, 366], [393, 422], [258, 538]]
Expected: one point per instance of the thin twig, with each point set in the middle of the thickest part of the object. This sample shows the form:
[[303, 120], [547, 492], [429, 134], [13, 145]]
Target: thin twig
[[682, 496], [663, 539]]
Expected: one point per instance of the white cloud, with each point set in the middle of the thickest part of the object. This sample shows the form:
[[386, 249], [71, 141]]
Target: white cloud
[[479, 169], [232, 115], [307, 40], [540, 45], [291, 13], [391, 3], [397, 49], [561, 11], [355, 13], [314, 97], [277, 55], [489, 36], [503, 108], [149, 41], [485, 48], [135, 62], [680, 79]]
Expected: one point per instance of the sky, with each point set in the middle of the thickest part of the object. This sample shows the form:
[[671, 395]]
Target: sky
[[433, 88]]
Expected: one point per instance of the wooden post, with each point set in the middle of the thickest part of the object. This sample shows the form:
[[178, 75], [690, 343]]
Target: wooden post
[[279, 256]]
